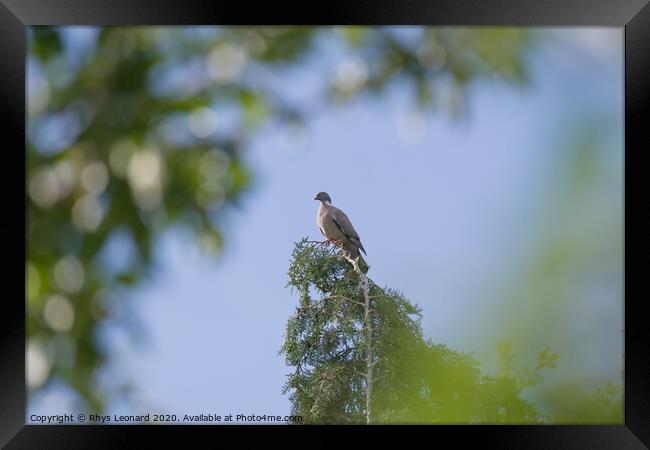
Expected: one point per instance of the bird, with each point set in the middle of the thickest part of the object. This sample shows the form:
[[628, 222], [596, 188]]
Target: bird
[[335, 226]]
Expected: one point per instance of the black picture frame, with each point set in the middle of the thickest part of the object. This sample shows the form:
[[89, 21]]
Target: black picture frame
[[15, 15]]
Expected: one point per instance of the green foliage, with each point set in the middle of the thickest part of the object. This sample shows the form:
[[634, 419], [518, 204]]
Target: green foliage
[[417, 381], [572, 403], [109, 152]]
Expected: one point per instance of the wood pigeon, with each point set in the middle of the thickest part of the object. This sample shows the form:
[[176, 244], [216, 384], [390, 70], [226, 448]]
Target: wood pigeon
[[336, 226]]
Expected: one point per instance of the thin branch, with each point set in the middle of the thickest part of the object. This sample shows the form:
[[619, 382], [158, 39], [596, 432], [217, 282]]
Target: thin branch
[[381, 377], [333, 297], [337, 296]]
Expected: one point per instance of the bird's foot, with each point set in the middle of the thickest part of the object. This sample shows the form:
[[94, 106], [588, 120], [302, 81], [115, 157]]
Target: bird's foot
[[331, 241], [324, 243]]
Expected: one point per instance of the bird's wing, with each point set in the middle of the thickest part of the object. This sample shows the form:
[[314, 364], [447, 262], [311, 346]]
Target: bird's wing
[[346, 228]]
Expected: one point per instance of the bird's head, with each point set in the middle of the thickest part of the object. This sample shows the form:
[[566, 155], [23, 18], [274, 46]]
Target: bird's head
[[323, 197]]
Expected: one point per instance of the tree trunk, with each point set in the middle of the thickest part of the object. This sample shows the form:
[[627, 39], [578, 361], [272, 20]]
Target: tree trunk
[[370, 364]]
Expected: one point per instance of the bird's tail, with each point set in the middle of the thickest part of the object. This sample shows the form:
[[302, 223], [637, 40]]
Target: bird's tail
[[362, 249]]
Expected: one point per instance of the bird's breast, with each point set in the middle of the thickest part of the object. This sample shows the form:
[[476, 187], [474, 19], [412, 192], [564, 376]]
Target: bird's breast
[[326, 223]]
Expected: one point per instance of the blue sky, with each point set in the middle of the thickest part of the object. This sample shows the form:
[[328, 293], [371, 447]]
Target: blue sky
[[445, 211]]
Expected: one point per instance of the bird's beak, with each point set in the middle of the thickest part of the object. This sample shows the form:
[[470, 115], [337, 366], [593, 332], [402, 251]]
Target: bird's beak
[[315, 198]]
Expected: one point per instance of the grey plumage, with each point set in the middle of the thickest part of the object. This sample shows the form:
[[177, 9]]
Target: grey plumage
[[335, 225]]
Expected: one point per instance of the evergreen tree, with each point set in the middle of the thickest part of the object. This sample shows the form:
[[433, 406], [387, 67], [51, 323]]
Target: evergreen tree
[[354, 364]]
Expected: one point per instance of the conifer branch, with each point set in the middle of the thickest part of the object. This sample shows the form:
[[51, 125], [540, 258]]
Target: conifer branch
[[336, 348]]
